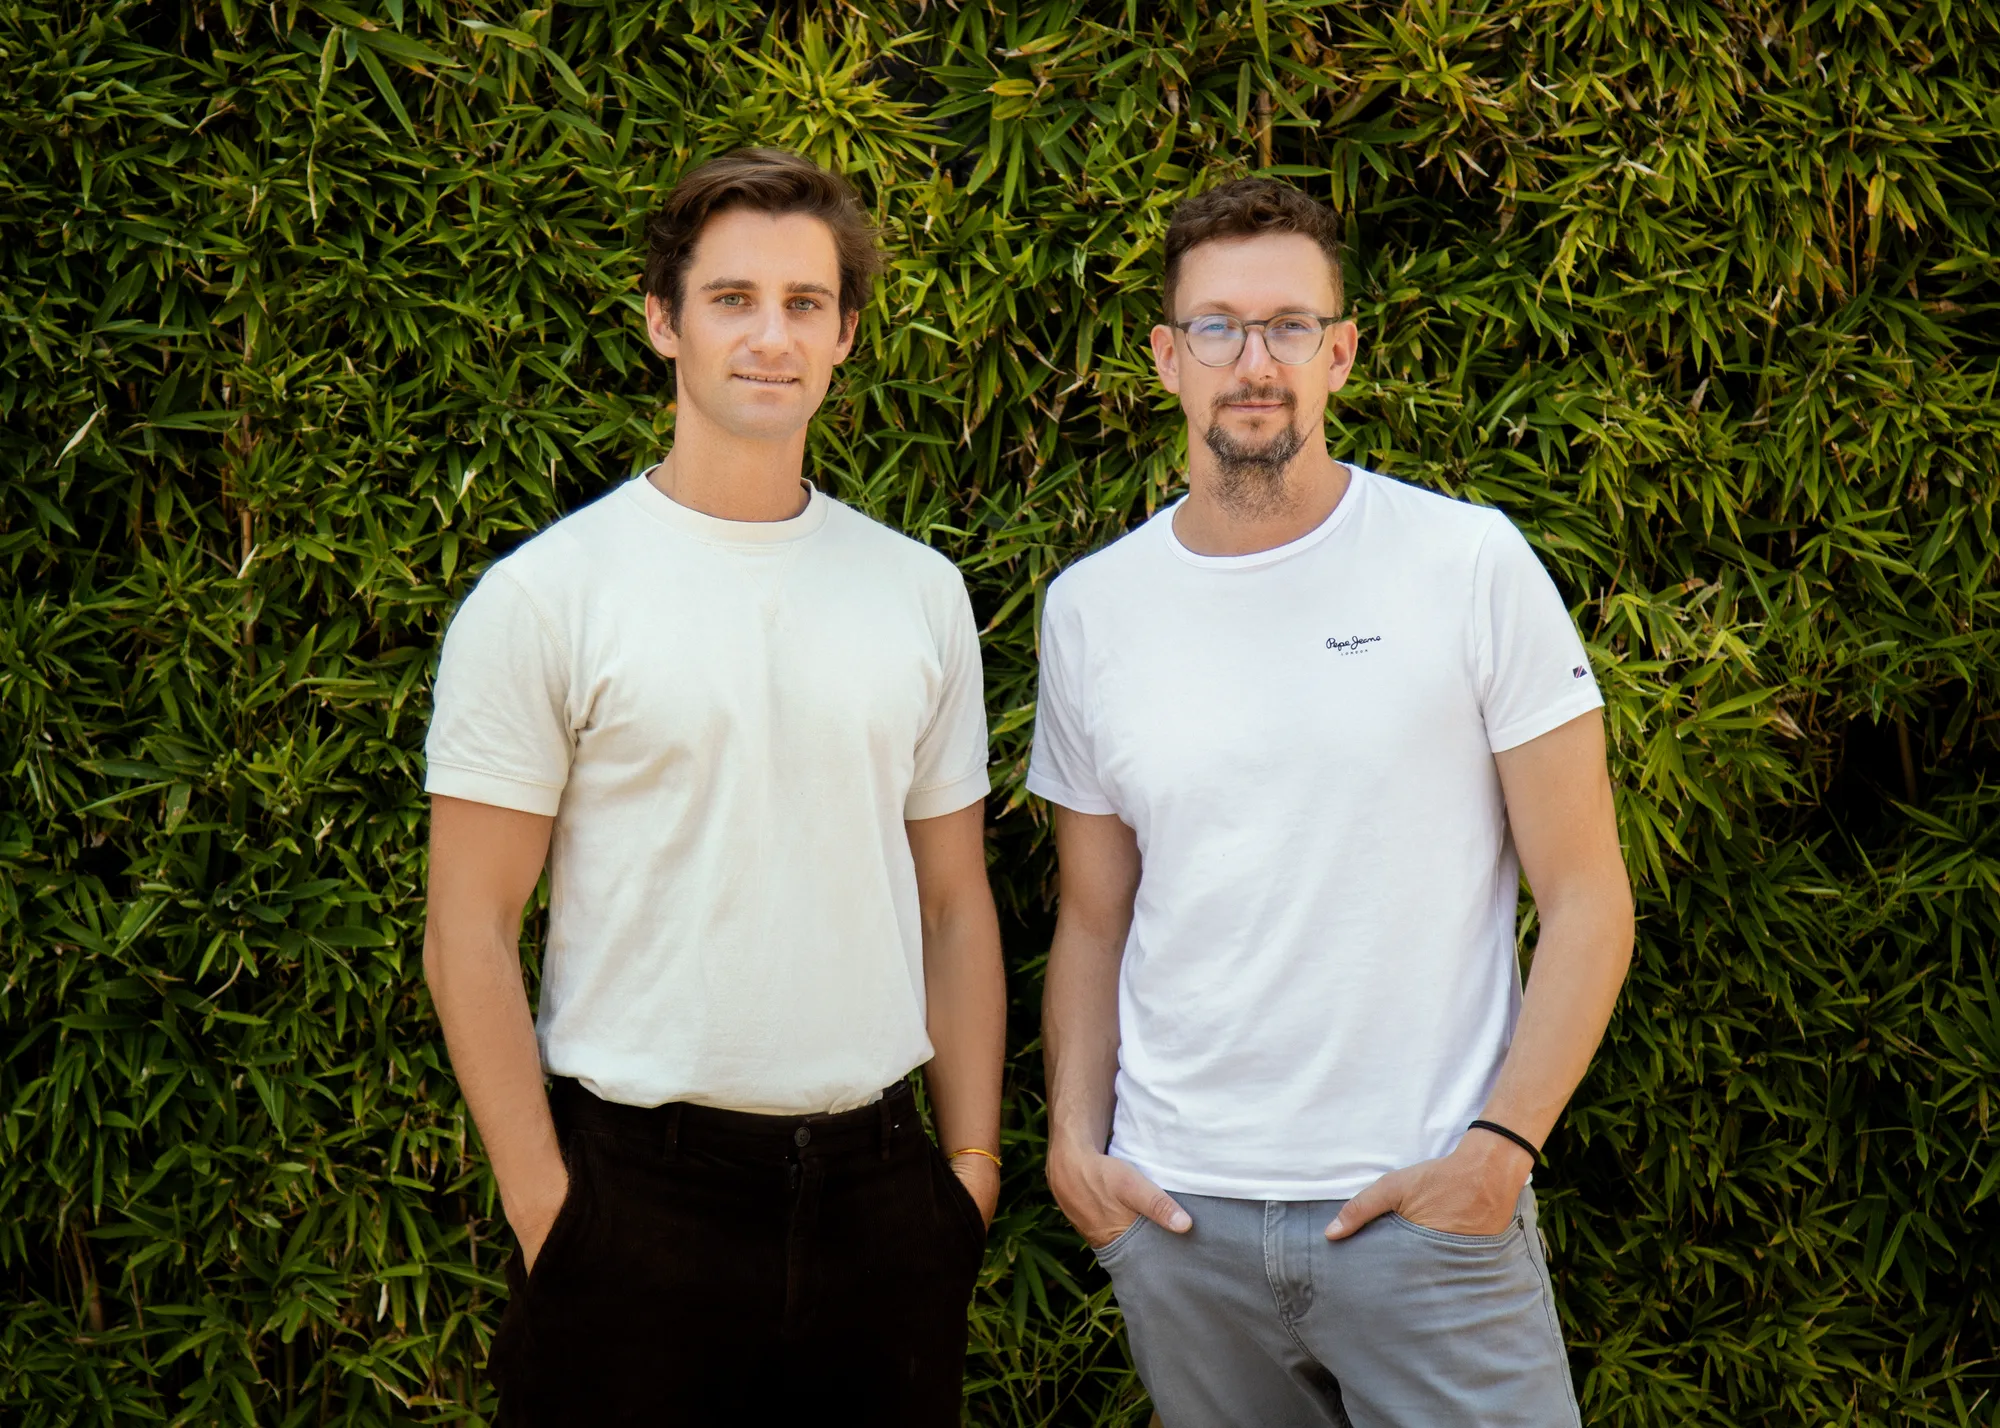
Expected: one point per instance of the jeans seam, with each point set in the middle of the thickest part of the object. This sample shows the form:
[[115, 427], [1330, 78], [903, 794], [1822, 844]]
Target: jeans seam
[[1547, 1278], [1279, 1300]]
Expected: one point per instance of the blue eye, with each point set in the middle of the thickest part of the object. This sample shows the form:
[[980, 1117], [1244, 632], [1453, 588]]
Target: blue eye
[[1292, 327], [1214, 326]]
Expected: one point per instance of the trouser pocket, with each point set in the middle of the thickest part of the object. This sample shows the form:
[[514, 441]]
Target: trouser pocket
[[961, 1209], [515, 1363]]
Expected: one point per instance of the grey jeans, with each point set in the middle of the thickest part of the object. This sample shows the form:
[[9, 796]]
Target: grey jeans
[[1254, 1318]]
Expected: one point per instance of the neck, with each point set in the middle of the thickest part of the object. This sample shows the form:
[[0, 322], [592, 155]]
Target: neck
[[1226, 514], [731, 477]]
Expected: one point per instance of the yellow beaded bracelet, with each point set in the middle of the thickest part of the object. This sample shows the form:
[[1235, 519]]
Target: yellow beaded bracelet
[[974, 1150]]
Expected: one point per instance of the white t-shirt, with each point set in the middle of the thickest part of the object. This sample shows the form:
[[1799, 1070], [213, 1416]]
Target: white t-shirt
[[730, 722], [1319, 985]]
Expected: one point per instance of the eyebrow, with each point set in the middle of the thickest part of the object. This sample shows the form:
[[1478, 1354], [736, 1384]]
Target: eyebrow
[[730, 284], [1224, 309]]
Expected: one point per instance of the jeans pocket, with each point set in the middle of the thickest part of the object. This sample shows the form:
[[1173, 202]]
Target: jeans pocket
[[1118, 1242], [1447, 1237]]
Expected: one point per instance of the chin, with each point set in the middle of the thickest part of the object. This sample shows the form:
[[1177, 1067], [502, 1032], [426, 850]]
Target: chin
[[757, 413], [766, 420], [1255, 431]]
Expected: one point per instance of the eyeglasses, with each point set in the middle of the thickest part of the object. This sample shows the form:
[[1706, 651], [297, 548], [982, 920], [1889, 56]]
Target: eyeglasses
[[1216, 340]]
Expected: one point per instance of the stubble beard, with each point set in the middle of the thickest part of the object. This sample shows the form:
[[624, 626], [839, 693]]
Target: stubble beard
[[1250, 479]]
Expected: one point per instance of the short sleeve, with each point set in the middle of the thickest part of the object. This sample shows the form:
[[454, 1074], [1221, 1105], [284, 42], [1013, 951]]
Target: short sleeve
[[499, 729], [1530, 663], [951, 756], [1063, 766]]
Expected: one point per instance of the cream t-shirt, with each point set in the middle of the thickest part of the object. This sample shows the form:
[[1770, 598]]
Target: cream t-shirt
[[730, 722], [1319, 984]]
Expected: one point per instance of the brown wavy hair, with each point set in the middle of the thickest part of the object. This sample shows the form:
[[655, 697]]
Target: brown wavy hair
[[764, 181], [1244, 208]]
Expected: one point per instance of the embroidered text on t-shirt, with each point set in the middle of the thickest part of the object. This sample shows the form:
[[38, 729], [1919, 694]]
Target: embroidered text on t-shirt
[[1353, 644]]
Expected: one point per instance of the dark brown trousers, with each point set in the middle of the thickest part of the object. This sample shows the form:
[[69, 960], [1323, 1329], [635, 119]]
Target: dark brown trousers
[[716, 1267]]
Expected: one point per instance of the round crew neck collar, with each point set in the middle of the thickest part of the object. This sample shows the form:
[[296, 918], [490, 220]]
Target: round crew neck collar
[[1357, 478], [717, 531]]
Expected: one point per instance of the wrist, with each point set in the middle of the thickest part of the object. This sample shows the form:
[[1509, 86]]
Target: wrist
[[1495, 1157], [970, 1160], [534, 1204], [1068, 1152]]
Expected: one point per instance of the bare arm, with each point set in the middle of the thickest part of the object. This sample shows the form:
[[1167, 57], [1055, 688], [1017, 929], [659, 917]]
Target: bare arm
[[1559, 808], [965, 989], [484, 863], [1098, 858]]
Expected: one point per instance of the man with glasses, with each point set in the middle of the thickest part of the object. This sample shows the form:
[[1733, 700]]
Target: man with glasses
[[1303, 732]]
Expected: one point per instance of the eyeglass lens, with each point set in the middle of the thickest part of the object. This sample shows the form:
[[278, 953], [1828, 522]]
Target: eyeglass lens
[[1290, 338]]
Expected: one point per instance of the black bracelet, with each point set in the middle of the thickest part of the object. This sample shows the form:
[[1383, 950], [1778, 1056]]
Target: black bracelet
[[1520, 1140]]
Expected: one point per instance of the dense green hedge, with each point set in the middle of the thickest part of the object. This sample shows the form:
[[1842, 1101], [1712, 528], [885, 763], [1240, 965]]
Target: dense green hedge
[[309, 309]]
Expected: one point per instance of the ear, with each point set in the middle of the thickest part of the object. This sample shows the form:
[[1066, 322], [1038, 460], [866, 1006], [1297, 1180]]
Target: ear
[[1343, 341], [1166, 361], [850, 323], [660, 327]]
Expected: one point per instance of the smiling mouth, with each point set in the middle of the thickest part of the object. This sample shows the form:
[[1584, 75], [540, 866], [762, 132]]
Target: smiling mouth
[[766, 380]]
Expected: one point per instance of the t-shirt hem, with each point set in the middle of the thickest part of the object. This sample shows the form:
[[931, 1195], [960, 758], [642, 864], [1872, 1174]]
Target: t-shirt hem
[[1233, 1187], [647, 1086], [1535, 725], [1238, 1187], [1042, 786], [478, 786], [941, 799]]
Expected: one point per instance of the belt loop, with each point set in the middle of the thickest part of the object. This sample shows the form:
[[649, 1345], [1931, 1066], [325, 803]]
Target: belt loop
[[673, 1130], [888, 1123]]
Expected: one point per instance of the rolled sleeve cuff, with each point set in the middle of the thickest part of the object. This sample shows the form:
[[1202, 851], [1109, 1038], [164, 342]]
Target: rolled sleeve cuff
[[942, 798], [1042, 786], [479, 786]]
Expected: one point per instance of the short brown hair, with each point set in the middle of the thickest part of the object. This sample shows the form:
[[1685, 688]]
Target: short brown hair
[[765, 181], [1244, 208]]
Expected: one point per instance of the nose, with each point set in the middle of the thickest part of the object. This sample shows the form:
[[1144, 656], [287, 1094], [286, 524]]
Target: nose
[[1255, 358], [772, 334]]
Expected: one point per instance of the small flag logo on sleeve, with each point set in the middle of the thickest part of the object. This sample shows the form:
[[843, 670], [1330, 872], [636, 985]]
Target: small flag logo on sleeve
[[1579, 672]]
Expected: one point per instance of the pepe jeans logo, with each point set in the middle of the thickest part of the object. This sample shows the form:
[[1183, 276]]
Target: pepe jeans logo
[[1353, 644]]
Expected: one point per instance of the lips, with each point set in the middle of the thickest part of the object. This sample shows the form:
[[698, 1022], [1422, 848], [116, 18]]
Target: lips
[[1256, 399], [766, 379]]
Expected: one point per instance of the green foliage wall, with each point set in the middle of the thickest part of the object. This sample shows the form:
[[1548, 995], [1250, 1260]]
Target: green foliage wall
[[309, 309]]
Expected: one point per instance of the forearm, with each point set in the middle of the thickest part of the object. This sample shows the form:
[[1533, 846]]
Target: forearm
[[1080, 1037], [1580, 963], [475, 983], [966, 992]]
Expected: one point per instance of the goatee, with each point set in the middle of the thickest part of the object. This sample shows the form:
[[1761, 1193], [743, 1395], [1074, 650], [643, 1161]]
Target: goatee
[[1250, 479]]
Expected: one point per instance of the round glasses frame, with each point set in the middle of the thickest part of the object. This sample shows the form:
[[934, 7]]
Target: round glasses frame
[[1223, 342]]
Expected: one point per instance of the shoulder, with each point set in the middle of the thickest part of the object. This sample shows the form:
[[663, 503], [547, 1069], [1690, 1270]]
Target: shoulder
[[1113, 575], [1440, 540], [905, 559], [1431, 517], [563, 558]]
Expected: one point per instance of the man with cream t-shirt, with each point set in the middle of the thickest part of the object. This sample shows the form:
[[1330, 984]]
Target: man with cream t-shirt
[[743, 727]]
